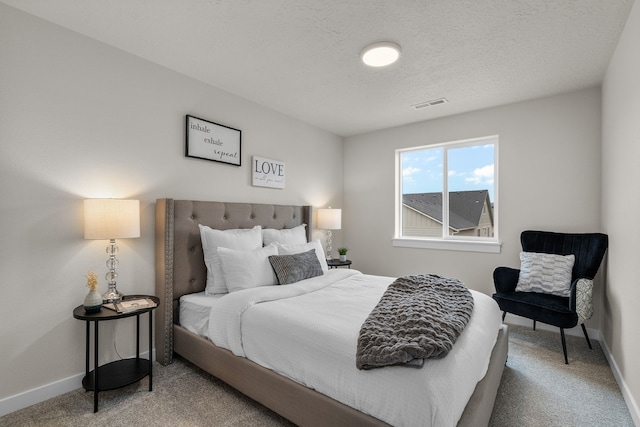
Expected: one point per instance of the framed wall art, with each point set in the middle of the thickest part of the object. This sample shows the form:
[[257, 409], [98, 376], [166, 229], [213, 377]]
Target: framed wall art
[[267, 173], [212, 141]]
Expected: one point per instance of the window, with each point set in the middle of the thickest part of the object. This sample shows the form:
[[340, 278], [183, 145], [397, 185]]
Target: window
[[447, 196]]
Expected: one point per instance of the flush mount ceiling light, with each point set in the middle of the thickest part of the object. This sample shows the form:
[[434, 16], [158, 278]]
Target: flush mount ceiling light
[[380, 54]]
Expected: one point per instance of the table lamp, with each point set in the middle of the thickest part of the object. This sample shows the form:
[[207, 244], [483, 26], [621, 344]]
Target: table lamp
[[329, 219], [111, 219]]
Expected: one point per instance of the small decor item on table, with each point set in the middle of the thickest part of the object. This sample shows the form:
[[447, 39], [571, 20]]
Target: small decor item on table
[[343, 254], [93, 300]]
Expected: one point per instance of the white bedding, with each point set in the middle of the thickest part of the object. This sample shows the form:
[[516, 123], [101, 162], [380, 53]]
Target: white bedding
[[195, 310], [308, 331]]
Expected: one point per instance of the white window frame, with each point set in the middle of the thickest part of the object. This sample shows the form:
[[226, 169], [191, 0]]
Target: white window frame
[[447, 242]]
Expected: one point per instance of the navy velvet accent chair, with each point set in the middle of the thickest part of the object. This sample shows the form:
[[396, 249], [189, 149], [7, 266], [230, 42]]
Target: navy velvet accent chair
[[563, 312]]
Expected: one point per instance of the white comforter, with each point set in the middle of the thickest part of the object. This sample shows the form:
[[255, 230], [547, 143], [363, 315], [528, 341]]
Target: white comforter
[[308, 332]]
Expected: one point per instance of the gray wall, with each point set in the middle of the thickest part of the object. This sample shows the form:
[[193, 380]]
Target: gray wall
[[549, 178], [80, 119], [620, 208]]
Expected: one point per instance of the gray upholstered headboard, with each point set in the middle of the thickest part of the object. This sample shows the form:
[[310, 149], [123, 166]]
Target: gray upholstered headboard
[[180, 265]]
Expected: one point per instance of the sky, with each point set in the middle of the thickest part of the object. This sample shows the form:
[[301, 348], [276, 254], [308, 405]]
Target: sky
[[469, 168]]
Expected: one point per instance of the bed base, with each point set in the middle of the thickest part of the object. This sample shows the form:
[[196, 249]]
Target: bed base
[[306, 407], [300, 405], [180, 270]]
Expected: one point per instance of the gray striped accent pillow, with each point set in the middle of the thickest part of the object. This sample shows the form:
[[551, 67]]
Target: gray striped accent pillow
[[293, 268], [545, 273]]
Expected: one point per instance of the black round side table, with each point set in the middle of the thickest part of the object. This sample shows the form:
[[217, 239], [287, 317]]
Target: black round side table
[[121, 372], [335, 263]]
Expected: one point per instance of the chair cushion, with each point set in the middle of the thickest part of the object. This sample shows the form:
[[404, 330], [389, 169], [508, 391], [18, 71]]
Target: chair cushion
[[584, 300], [545, 273], [546, 308]]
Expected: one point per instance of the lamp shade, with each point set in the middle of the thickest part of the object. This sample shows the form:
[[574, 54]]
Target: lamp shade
[[111, 219], [330, 219]]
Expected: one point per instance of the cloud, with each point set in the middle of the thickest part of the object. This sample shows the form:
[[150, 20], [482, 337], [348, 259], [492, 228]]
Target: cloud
[[483, 175], [432, 158], [408, 171]]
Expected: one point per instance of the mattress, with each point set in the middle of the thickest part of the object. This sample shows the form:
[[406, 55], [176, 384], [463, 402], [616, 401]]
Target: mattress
[[308, 332], [195, 310]]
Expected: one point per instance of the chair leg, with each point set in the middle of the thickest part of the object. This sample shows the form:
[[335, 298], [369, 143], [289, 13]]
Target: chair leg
[[504, 314], [586, 336], [534, 325], [564, 346]]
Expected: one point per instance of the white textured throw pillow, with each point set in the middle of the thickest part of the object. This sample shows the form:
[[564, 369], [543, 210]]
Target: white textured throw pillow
[[545, 273], [240, 238], [286, 236], [247, 269], [296, 249]]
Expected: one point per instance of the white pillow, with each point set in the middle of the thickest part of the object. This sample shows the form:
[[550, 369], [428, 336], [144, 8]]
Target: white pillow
[[296, 249], [286, 236], [245, 239], [545, 273], [247, 269]]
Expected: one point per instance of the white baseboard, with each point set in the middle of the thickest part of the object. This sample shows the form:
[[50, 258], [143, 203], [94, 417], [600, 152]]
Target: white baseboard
[[45, 392], [40, 394], [632, 405]]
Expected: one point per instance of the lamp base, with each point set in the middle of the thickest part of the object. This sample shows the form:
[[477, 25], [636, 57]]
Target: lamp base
[[328, 245], [112, 295]]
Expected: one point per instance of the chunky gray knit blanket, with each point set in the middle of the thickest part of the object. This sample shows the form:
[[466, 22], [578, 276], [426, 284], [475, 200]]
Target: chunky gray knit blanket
[[417, 317]]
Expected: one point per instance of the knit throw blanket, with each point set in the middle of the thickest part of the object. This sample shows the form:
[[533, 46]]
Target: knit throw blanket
[[417, 317]]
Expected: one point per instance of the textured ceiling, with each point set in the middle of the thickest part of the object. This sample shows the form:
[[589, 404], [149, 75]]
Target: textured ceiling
[[301, 57]]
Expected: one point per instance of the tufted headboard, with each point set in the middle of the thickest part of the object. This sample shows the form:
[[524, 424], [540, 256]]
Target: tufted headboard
[[180, 267]]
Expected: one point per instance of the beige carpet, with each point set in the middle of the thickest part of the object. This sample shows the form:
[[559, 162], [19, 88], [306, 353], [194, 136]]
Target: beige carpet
[[537, 389]]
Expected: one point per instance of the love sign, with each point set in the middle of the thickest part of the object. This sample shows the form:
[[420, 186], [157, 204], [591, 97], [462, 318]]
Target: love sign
[[267, 172]]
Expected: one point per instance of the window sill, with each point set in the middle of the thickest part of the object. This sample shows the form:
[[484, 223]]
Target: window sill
[[448, 245]]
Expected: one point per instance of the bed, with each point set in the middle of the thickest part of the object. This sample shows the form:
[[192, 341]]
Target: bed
[[181, 272]]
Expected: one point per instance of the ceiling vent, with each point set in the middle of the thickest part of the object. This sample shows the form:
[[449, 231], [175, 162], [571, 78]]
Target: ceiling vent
[[431, 103]]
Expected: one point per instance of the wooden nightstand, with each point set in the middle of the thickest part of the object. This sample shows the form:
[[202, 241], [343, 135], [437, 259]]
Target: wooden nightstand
[[121, 372], [335, 263]]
